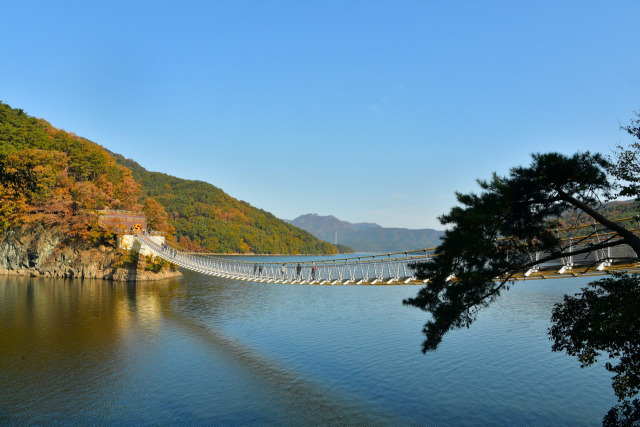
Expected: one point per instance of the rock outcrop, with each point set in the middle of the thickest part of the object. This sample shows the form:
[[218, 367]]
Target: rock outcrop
[[48, 253]]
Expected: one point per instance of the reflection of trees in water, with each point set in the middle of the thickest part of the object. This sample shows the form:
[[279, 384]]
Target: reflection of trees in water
[[49, 316], [83, 335], [65, 343]]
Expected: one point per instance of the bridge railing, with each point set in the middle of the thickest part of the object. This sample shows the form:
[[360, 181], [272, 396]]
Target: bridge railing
[[394, 268], [374, 269]]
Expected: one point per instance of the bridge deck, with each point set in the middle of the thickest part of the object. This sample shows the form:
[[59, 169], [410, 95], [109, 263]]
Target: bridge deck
[[389, 269]]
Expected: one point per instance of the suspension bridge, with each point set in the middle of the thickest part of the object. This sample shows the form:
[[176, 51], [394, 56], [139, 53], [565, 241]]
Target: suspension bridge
[[395, 268]]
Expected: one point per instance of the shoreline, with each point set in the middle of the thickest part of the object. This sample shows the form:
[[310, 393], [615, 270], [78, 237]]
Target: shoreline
[[120, 275], [231, 254]]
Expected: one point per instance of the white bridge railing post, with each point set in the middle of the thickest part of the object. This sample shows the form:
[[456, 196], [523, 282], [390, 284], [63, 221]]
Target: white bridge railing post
[[387, 268]]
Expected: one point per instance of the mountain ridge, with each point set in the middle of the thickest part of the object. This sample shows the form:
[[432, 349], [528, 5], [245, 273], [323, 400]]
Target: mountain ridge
[[366, 237]]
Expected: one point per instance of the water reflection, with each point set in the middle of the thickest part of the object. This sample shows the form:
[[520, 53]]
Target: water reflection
[[205, 351], [90, 351], [61, 336], [56, 314]]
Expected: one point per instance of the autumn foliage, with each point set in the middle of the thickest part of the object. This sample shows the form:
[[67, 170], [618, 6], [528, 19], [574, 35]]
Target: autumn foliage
[[58, 179]]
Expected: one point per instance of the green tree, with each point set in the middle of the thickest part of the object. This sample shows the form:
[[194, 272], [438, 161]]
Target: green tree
[[492, 235], [17, 179], [626, 166], [604, 319]]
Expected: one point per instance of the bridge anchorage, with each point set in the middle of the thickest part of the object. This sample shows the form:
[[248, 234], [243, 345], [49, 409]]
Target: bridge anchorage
[[394, 268]]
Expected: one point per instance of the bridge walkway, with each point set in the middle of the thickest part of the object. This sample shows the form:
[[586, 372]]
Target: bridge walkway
[[395, 268]]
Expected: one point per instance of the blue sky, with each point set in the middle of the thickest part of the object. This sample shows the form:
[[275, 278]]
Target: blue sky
[[367, 110]]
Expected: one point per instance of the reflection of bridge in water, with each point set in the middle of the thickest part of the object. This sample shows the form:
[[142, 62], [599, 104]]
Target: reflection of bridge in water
[[394, 268]]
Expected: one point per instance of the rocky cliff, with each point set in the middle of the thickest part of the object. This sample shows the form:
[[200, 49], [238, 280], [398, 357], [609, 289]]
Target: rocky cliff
[[48, 253]]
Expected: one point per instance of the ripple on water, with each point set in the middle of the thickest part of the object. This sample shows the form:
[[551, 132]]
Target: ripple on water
[[210, 351]]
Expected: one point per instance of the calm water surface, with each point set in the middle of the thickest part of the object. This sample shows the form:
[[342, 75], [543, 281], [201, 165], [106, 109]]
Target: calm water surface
[[207, 351]]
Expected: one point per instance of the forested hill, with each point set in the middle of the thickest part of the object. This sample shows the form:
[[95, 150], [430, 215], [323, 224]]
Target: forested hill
[[53, 179], [612, 210], [207, 219], [615, 210]]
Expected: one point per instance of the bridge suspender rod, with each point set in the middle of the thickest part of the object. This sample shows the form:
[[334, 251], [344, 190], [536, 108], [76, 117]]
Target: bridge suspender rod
[[387, 268]]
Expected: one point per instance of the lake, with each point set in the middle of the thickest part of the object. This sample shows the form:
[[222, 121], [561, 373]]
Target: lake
[[201, 350]]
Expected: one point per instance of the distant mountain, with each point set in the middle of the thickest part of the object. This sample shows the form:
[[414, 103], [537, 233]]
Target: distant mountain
[[327, 225], [366, 237]]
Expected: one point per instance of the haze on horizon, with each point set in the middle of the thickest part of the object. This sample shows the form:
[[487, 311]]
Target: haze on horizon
[[367, 111]]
